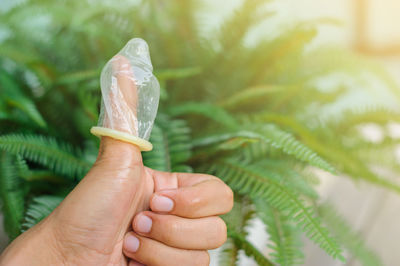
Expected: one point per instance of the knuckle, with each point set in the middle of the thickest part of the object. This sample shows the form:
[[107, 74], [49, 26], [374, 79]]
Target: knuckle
[[192, 203]]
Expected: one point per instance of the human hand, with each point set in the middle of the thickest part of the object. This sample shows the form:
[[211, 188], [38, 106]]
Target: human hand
[[90, 225], [183, 223]]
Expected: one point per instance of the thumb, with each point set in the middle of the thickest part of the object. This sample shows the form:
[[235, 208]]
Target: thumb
[[101, 206], [119, 110]]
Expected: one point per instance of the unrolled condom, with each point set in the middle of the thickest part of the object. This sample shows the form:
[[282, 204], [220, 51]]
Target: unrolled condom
[[130, 96]]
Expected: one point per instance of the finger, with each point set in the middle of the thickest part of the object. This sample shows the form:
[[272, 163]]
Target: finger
[[125, 78], [115, 178], [120, 113], [202, 234], [120, 97], [121, 100], [167, 180], [208, 198], [151, 252]]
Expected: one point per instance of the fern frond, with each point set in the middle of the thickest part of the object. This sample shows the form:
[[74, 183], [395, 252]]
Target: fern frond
[[248, 248], [286, 243], [74, 77], [332, 150], [229, 255], [158, 158], [281, 56], [352, 118], [274, 137], [285, 169], [257, 183], [12, 192], [226, 137], [172, 148], [236, 27], [351, 240], [250, 95], [290, 145], [13, 96], [177, 73], [238, 219], [47, 152], [39, 209], [209, 111]]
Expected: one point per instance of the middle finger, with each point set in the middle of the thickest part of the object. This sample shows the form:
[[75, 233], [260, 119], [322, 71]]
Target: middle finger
[[178, 232]]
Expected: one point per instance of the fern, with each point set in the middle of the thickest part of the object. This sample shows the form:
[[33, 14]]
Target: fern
[[45, 151], [249, 107], [13, 97], [286, 244], [285, 141], [248, 248], [172, 147], [250, 95], [289, 176], [229, 254], [331, 149], [12, 193], [171, 74], [274, 137], [351, 240], [237, 220], [39, 209], [247, 179], [210, 111]]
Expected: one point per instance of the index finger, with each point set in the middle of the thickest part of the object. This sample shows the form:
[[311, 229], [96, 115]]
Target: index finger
[[190, 195]]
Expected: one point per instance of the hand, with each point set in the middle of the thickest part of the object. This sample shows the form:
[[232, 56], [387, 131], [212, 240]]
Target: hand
[[183, 221], [92, 226]]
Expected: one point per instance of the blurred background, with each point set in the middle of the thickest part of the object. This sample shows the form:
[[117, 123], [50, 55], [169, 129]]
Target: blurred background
[[366, 27]]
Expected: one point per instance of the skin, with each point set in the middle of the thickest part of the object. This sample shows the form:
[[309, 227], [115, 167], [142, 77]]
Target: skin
[[89, 226], [95, 223]]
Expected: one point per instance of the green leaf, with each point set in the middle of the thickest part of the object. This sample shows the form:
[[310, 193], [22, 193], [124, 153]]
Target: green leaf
[[248, 248], [39, 209], [249, 95], [210, 111], [177, 73], [272, 136], [13, 96], [12, 192], [352, 241], [289, 144], [259, 184], [171, 145], [284, 237], [238, 220], [47, 152]]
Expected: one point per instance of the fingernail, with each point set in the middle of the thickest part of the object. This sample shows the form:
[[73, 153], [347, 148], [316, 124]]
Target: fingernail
[[143, 224], [131, 243], [162, 204]]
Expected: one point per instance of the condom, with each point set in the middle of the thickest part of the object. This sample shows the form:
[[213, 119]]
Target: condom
[[130, 96]]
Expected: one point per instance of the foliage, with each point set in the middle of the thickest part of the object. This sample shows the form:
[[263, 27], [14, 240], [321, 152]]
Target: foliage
[[255, 114]]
